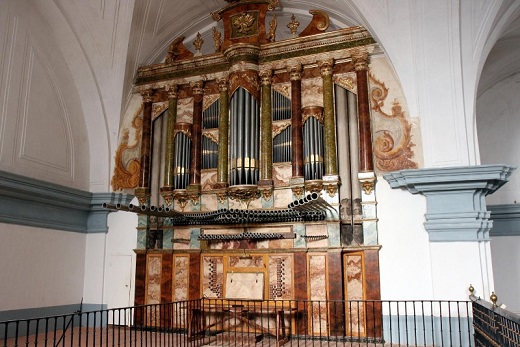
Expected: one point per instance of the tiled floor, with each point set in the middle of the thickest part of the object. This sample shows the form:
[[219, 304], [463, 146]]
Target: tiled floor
[[123, 336]]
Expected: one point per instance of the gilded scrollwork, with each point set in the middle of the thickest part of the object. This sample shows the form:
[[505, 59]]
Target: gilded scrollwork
[[391, 155]]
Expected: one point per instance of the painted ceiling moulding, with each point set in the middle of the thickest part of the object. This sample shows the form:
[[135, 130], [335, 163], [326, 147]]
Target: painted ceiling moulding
[[456, 206]]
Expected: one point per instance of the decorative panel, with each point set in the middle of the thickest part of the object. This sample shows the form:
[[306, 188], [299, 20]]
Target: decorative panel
[[354, 288], [281, 277], [153, 287], [213, 277], [317, 265], [180, 277], [180, 288]]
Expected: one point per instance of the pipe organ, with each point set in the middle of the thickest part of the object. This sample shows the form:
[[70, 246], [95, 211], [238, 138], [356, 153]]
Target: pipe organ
[[244, 142], [263, 159]]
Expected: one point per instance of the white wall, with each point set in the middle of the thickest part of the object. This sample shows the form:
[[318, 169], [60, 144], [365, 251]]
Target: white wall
[[405, 254], [498, 121], [506, 268], [40, 267]]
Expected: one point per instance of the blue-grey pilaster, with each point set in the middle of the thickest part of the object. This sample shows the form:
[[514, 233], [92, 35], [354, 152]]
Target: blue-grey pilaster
[[455, 196]]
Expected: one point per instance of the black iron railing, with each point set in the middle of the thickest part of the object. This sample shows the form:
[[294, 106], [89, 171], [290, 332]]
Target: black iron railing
[[494, 326], [218, 322]]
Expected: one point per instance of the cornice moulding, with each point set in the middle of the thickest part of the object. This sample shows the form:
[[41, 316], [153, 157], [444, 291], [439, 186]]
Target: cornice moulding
[[456, 206]]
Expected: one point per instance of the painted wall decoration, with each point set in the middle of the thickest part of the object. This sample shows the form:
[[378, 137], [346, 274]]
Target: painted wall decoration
[[396, 140]]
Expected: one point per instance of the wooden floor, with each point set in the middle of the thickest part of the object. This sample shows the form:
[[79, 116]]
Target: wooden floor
[[123, 336]]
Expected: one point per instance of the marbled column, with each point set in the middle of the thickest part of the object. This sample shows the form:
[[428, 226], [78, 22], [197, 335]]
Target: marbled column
[[223, 133], [295, 73], [143, 191], [366, 163], [196, 143], [329, 124], [266, 130], [166, 190]]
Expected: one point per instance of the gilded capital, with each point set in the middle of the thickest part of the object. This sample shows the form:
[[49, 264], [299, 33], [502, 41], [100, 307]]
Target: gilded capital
[[172, 90], [295, 72], [360, 59], [223, 84], [326, 67], [197, 87], [147, 95], [266, 76]]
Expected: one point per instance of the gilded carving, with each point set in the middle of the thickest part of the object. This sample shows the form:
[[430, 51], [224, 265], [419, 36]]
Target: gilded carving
[[182, 199], [209, 100], [283, 88], [312, 111], [245, 194], [267, 193], [271, 35], [211, 134], [326, 67], [280, 126], [177, 51], [349, 82], [244, 24], [222, 196], [293, 26], [314, 186], [360, 59], [217, 39], [320, 22], [368, 186], [391, 156], [246, 79], [297, 191], [158, 108], [198, 42], [331, 189]]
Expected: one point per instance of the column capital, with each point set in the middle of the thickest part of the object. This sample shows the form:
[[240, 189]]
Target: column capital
[[223, 83], [147, 95], [295, 71], [326, 67], [197, 87], [266, 76], [172, 90], [360, 59]]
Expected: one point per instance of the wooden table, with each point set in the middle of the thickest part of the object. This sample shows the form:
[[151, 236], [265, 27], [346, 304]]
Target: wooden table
[[241, 311]]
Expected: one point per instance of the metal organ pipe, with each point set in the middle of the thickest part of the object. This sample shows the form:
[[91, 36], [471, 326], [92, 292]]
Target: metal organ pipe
[[245, 147]]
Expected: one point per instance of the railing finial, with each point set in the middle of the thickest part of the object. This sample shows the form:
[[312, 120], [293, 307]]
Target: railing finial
[[493, 299]]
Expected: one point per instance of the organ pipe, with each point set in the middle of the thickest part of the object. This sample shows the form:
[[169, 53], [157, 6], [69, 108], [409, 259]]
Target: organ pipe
[[182, 160], [313, 144], [282, 146], [281, 106], [244, 145]]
